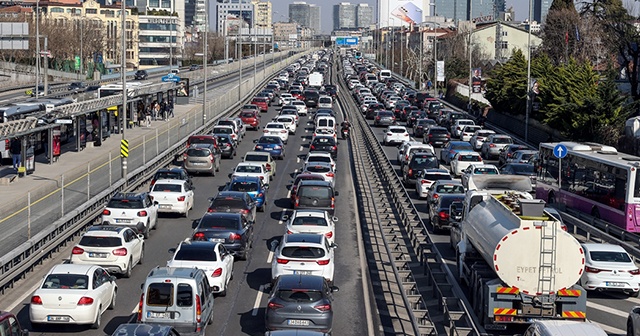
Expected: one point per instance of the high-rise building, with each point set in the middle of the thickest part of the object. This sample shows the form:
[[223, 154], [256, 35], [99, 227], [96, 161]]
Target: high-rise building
[[263, 13], [344, 16], [306, 15], [458, 10], [232, 10], [540, 10], [364, 15]]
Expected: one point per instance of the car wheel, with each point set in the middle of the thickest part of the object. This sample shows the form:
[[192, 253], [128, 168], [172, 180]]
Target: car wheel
[[634, 294], [245, 253], [629, 327], [96, 324], [112, 305], [127, 272], [146, 233]]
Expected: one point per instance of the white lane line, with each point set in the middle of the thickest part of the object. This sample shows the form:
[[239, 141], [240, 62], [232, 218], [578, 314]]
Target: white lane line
[[256, 305], [135, 310], [297, 159], [306, 130], [606, 309], [301, 148], [270, 257], [611, 331], [15, 303], [284, 213], [289, 193], [634, 300]]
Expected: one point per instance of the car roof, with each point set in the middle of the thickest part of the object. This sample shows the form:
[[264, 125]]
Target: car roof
[[197, 244], [307, 238], [570, 328], [309, 213], [238, 194], [315, 183], [603, 247], [170, 181], [72, 269], [172, 170], [142, 329], [105, 230], [292, 281]]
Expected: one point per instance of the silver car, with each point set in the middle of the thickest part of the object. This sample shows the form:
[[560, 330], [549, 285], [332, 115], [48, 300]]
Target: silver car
[[202, 158], [494, 144]]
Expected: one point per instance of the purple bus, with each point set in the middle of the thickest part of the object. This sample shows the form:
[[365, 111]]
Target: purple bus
[[594, 179]]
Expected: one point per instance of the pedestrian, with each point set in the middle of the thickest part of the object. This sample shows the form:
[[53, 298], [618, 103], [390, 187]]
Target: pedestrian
[[171, 107], [16, 151], [163, 109], [156, 111], [148, 116]]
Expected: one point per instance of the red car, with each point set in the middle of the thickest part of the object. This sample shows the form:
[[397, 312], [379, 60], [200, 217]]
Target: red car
[[262, 102], [250, 118], [297, 94]]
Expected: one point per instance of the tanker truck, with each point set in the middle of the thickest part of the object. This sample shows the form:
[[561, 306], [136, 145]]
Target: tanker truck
[[517, 262]]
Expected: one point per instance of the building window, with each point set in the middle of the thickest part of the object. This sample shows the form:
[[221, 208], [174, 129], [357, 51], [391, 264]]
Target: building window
[[154, 3], [57, 10], [504, 33], [166, 3], [504, 45], [91, 11]]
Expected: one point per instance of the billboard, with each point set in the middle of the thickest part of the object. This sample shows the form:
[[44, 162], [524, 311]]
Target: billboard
[[402, 12]]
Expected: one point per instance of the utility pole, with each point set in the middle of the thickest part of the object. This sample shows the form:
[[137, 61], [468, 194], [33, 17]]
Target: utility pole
[[240, 53], [469, 47], [205, 60], [123, 72], [37, 46], [529, 102]]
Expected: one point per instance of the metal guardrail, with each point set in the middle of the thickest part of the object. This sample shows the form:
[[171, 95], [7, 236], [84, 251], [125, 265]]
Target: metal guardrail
[[436, 288], [16, 264]]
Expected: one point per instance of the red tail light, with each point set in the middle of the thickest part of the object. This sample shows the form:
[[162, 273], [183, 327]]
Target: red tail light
[[329, 234], [283, 131], [448, 136], [378, 118], [198, 309], [7, 144], [443, 215], [436, 196], [406, 157], [323, 308], [77, 250], [217, 272], [312, 147], [142, 213], [333, 203], [120, 252], [410, 172], [140, 307], [593, 270], [85, 301], [260, 195], [424, 181], [389, 133], [274, 306], [211, 158], [634, 272], [508, 154], [323, 262], [153, 182], [331, 174], [297, 203], [268, 167], [406, 134], [235, 236], [430, 135], [198, 236], [106, 212], [289, 232], [334, 148], [211, 210], [245, 211], [36, 300], [492, 145], [181, 198], [282, 261]]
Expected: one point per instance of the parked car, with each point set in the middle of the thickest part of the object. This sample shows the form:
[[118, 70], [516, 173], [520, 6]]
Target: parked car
[[232, 230]]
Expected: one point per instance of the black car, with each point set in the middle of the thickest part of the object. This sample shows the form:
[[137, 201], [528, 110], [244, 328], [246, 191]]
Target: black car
[[313, 194], [451, 118], [77, 87], [311, 97], [508, 151], [421, 126], [437, 136], [195, 67], [415, 115], [331, 90], [439, 210], [370, 113], [234, 201], [141, 75], [419, 98], [523, 169], [227, 145], [171, 174], [324, 144], [417, 162], [233, 230]]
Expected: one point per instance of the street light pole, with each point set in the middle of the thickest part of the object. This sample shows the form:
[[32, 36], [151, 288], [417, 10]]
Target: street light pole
[[205, 60], [239, 42], [123, 72], [37, 47], [393, 42], [529, 102], [173, 6], [469, 47]]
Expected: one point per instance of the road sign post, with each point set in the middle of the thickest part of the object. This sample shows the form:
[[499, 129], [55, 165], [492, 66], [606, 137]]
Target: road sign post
[[560, 151]]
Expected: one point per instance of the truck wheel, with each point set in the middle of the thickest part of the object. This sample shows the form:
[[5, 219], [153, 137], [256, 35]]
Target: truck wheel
[[551, 199]]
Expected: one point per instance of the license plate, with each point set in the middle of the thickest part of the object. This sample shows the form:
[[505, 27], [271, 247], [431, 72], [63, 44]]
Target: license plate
[[58, 318], [123, 221], [157, 315], [303, 272], [615, 284], [198, 163], [216, 240], [437, 142], [298, 322], [165, 206], [97, 255]]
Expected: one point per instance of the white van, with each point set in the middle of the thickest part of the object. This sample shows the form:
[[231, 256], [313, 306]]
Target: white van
[[564, 328], [384, 75], [326, 121]]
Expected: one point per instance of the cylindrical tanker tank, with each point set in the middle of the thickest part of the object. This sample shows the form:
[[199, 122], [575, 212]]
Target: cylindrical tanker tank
[[511, 245]]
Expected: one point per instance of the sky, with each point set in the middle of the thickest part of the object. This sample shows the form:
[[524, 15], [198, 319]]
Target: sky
[[281, 10]]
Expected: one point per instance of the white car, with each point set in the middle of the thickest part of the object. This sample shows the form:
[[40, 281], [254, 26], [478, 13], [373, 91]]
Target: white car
[[312, 221], [173, 196], [320, 157], [391, 102], [609, 268], [289, 122], [277, 129], [461, 160], [117, 249], [468, 131], [408, 147], [478, 138], [477, 169], [213, 258], [252, 169], [301, 106], [321, 168], [292, 112], [425, 178], [396, 135], [304, 254], [456, 128], [227, 129], [325, 102], [329, 131], [73, 294], [135, 210]]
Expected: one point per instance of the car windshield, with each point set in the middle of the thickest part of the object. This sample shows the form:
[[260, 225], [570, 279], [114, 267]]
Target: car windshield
[[249, 169], [425, 160], [280, 126], [302, 252], [426, 122], [469, 158], [125, 204], [198, 152], [224, 140], [202, 140], [450, 189], [285, 120], [269, 140], [315, 192], [168, 176], [93, 241], [213, 222], [526, 156], [318, 158], [318, 169], [228, 203], [244, 186], [66, 281], [247, 115], [256, 158], [437, 177], [385, 114], [323, 141], [308, 220], [460, 146], [222, 130], [438, 131], [299, 295], [502, 140], [485, 171], [195, 254], [165, 187], [523, 169], [610, 256], [397, 130]]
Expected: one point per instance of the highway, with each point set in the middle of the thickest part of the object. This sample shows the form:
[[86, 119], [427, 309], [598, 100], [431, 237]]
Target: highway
[[242, 310]]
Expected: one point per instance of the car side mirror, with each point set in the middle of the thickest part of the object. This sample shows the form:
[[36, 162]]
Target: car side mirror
[[156, 202], [142, 286], [255, 141], [335, 219], [141, 236], [336, 193], [172, 250], [455, 211], [274, 244], [335, 289], [112, 278], [285, 218], [334, 245]]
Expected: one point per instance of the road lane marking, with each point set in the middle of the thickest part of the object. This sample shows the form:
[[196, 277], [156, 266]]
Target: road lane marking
[[284, 213], [135, 309], [606, 309], [256, 305], [611, 330], [301, 148], [15, 303], [270, 257], [289, 193], [297, 159]]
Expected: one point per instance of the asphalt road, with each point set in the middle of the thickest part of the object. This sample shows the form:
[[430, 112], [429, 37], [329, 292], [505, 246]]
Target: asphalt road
[[241, 312], [609, 310]]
